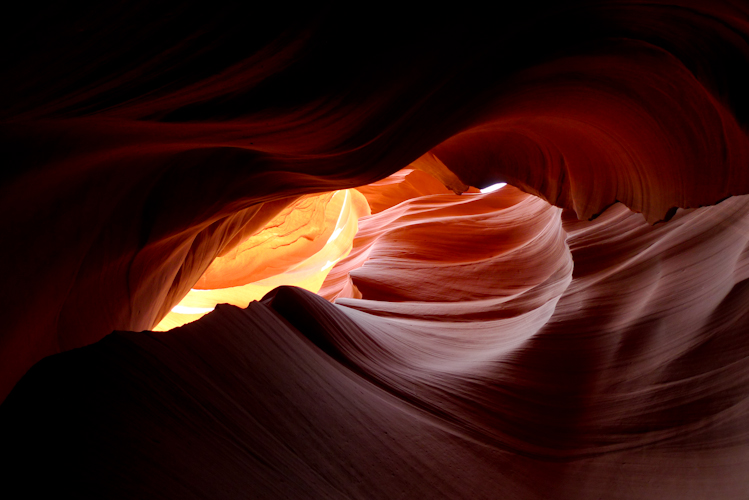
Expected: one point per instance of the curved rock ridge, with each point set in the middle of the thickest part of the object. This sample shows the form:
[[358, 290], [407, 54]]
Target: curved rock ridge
[[654, 148], [403, 185], [301, 230], [148, 140], [578, 335], [299, 246], [615, 383], [478, 256], [631, 353]]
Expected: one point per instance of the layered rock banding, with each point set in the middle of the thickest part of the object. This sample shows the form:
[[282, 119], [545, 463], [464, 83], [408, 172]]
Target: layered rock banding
[[298, 247], [578, 334]]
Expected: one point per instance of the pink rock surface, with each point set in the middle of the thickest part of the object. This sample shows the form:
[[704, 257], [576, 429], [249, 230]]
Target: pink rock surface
[[578, 334]]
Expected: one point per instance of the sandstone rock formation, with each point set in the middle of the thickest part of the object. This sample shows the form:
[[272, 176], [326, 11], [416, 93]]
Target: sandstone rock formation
[[580, 333]]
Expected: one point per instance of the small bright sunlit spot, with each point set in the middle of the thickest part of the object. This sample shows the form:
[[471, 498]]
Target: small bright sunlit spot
[[328, 265], [338, 228], [493, 187], [191, 310]]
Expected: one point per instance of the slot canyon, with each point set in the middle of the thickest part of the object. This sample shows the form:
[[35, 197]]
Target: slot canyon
[[349, 251]]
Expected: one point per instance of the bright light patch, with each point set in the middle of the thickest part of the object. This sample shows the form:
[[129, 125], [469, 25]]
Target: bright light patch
[[303, 263], [328, 265], [493, 187], [191, 310], [335, 234], [338, 229]]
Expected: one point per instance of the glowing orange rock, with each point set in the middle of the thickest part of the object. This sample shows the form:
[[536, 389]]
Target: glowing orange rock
[[298, 247]]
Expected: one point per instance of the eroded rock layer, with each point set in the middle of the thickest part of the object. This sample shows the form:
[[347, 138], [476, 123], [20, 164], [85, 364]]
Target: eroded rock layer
[[578, 335], [585, 384]]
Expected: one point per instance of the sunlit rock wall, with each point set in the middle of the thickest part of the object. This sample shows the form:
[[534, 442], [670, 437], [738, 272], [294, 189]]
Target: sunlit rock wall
[[578, 334]]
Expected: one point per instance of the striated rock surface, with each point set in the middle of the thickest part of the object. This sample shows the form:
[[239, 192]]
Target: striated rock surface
[[298, 247], [578, 334], [625, 379]]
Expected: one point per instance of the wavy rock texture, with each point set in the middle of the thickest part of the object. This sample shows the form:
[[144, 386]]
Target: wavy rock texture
[[298, 247], [579, 335]]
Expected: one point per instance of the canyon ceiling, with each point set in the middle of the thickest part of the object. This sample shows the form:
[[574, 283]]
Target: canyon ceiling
[[581, 333]]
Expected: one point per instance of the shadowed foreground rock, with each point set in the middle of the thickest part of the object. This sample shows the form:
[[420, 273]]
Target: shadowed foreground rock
[[578, 334]]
